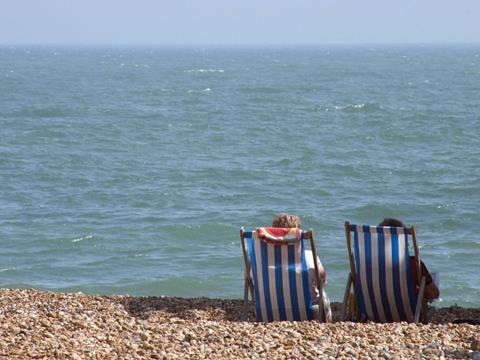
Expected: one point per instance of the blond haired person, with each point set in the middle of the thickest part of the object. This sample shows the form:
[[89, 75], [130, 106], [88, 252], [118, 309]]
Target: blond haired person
[[293, 221]]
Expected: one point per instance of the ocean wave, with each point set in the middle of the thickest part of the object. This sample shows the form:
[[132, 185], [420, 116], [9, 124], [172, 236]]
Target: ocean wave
[[205, 71], [81, 238], [159, 92], [48, 112], [350, 108], [135, 65], [191, 91], [368, 107], [154, 115], [262, 90]]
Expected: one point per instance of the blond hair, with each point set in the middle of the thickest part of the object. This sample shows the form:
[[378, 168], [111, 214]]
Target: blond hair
[[286, 221]]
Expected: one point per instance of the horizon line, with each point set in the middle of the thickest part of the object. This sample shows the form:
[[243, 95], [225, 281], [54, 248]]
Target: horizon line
[[239, 45]]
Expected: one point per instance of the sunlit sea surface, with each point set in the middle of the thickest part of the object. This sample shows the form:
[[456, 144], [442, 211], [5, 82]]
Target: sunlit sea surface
[[131, 170]]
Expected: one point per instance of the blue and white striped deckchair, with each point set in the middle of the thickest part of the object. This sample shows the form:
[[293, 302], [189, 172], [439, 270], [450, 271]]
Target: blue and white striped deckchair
[[277, 277], [380, 273]]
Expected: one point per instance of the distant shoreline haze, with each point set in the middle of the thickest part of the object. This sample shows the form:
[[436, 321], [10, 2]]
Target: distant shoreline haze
[[248, 45]]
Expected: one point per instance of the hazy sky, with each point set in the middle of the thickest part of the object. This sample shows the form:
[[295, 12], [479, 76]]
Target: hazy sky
[[239, 21]]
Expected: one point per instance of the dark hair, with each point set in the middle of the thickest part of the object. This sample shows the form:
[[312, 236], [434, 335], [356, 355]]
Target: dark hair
[[391, 222]]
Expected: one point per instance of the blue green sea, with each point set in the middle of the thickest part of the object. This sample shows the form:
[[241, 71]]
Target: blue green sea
[[130, 170]]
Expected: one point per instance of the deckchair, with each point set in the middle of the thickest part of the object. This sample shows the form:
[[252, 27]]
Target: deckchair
[[276, 275], [380, 276]]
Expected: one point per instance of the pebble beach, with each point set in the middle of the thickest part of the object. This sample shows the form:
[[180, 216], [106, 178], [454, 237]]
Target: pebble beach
[[45, 325]]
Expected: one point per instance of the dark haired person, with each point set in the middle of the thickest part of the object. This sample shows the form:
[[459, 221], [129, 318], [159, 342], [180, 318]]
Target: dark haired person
[[431, 290]]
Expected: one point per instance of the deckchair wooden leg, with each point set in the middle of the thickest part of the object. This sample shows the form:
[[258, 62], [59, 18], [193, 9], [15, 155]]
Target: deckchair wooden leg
[[322, 311], [420, 300], [245, 301], [346, 296]]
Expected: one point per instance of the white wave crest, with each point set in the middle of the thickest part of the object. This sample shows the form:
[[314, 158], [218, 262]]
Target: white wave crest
[[82, 238], [205, 71], [199, 91], [352, 106]]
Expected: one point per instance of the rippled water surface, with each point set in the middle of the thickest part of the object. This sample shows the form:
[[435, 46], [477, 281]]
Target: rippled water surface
[[131, 170]]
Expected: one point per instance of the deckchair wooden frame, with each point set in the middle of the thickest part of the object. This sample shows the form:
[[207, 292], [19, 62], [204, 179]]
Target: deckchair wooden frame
[[421, 305], [249, 287]]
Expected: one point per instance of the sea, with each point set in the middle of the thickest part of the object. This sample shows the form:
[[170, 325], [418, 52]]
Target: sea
[[130, 170]]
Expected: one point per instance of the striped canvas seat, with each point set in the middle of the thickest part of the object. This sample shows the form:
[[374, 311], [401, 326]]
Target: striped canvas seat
[[384, 287], [277, 276]]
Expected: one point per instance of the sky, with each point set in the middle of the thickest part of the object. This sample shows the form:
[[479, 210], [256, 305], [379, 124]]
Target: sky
[[231, 22]]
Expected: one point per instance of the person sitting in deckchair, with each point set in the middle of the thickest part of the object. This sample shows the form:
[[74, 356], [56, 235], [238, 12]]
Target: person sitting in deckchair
[[431, 290], [292, 221], [380, 277]]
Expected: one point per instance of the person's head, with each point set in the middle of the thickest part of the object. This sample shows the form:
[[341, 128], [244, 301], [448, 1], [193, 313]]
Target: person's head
[[286, 221], [391, 222]]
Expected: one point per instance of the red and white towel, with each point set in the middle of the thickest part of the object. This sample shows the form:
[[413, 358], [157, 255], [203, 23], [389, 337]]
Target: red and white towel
[[279, 235]]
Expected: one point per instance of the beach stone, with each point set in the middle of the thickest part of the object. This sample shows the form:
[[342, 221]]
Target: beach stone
[[384, 354]]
